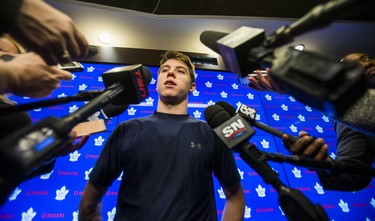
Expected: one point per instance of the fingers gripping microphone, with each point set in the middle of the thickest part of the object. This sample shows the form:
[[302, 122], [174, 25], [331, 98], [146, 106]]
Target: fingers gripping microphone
[[234, 132]]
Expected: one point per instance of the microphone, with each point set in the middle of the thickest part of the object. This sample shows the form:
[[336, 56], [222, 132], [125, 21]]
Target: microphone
[[234, 132], [112, 110], [249, 114], [318, 17], [28, 148], [135, 78], [234, 48], [340, 84]]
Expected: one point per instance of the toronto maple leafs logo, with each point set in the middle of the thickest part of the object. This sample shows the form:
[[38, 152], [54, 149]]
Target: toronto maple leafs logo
[[61, 193], [62, 95], [82, 87], [344, 206], [90, 69], [29, 215], [296, 172], [99, 141], [196, 93], [221, 193], [208, 84], [241, 173], [111, 214], [131, 111], [268, 97], [46, 176], [265, 144], [250, 96], [224, 94], [275, 117], [261, 191], [73, 157], [14, 195], [87, 173], [247, 213], [75, 215], [73, 108], [319, 188]]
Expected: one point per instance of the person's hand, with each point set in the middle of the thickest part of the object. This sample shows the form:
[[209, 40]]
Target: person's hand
[[74, 146], [307, 146], [7, 46], [29, 75], [264, 83], [49, 32]]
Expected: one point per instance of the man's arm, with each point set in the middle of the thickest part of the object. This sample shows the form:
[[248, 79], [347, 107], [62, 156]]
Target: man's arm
[[90, 207], [235, 203]]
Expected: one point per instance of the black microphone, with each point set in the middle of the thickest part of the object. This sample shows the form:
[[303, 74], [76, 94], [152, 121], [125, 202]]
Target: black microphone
[[249, 114], [342, 86], [28, 148], [318, 17], [135, 78], [234, 132], [112, 110], [234, 48]]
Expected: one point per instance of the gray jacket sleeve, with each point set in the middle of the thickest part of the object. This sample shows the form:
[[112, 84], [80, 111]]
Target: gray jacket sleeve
[[352, 147]]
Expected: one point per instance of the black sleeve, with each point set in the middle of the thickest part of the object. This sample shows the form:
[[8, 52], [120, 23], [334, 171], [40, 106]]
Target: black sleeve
[[352, 147], [108, 168], [9, 10]]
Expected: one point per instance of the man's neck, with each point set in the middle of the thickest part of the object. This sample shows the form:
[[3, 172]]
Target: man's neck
[[168, 108]]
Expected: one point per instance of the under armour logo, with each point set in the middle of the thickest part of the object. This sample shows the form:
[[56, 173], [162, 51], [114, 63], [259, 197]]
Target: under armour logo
[[194, 145]]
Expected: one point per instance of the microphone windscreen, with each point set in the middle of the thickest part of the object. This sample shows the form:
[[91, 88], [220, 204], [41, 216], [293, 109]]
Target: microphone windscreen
[[227, 107], [210, 38], [215, 115], [135, 79], [146, 75]]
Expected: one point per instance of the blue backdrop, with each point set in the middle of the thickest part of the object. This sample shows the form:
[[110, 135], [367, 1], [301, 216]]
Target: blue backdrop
[[56, 196]]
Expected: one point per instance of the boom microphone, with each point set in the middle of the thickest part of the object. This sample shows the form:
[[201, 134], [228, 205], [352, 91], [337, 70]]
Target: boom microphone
[[340, 85]]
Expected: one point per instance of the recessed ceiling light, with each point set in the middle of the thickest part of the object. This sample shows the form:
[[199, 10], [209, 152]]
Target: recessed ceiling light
[[104, 38], [299, 47]]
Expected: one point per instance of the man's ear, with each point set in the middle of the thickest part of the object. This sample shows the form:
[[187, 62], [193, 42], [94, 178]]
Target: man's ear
[[192, 87]]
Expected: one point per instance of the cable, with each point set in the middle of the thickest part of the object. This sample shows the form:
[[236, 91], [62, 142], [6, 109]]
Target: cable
[[156, 7]]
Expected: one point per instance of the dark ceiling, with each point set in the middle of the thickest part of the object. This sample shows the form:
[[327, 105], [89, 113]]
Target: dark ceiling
[[258, 8]]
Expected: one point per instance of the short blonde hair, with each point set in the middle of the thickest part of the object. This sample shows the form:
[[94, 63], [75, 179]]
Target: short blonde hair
[[180, 57]]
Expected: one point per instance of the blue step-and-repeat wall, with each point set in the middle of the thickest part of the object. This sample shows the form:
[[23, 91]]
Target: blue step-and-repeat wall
[[56, 196]]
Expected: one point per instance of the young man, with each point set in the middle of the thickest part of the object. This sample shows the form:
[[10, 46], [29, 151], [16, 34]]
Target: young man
[[168, 160]]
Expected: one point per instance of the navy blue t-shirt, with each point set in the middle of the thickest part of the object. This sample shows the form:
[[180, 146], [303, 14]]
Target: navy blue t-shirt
[[168, 162]]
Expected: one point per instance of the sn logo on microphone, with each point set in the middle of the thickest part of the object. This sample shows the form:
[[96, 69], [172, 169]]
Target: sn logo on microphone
[[235, 129]]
